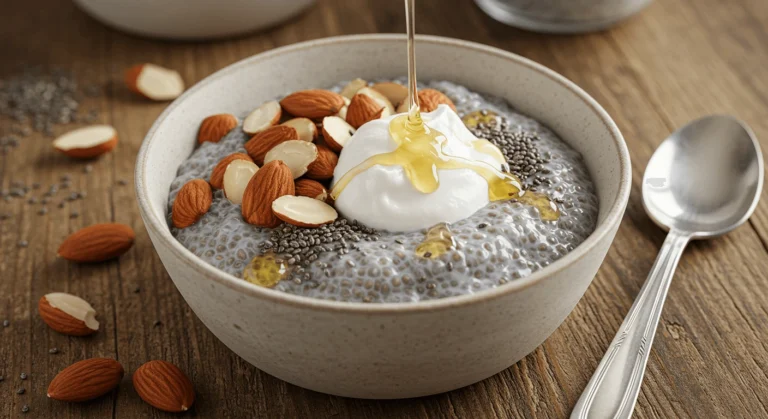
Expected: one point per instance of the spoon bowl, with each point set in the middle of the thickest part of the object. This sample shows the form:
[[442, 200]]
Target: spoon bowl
[[705, 179]]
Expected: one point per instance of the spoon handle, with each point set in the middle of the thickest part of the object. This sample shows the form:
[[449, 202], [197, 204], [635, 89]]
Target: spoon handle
[[613, 389]]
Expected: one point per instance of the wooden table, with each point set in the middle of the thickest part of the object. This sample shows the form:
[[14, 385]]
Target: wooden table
[[676, 61]]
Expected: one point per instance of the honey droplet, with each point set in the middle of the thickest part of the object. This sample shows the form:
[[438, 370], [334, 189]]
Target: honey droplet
[[437, 241], [265, 270], [473, 119]]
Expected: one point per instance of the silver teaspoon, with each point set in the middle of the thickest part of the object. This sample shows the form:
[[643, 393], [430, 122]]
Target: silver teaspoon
[[702, 182]]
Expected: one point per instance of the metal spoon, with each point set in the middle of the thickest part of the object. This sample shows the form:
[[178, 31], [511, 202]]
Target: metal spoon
[[702, 182]]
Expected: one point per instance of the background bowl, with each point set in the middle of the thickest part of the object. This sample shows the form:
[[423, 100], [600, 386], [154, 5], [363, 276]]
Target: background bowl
[[385, 350], [191, 19]]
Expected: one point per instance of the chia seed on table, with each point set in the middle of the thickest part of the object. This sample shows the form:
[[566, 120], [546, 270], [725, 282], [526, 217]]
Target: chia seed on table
[[23, 376], [346, 261], [6, 323]]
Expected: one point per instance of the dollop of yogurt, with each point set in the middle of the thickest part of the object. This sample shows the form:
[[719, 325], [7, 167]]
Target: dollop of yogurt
[[383, 197]]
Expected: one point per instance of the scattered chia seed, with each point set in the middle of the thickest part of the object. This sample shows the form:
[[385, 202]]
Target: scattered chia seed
[[23, 243], [137, 290], [482, 225], [21, 391], [32, 200], [25, 409], [6, 323], [88, 168], [428, 255], [122, 182], [23, 375], [74, 214], [518, 147], [53, 351], [65, 177], [61, 204], [157, 323], [2, 378], [4, 216], [36, 185], [43, 211]]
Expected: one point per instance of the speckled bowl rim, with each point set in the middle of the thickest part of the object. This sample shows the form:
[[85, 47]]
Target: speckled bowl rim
[[162, 233]]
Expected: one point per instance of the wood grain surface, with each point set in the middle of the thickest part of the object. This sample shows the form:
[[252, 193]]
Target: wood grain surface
[[676, 61]]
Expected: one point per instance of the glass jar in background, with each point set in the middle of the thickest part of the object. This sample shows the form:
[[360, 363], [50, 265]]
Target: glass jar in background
[[561, 16]]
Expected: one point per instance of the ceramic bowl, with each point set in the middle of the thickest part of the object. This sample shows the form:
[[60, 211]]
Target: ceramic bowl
[[191, 19], [385, 350]]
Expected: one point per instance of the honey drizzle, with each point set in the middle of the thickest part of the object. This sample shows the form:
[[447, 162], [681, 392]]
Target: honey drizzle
[[420, 151], [437, 241], [265, 270]]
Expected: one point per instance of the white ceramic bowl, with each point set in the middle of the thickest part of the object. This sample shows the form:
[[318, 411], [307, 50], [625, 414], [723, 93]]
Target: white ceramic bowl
[[385, 350], [191, 19]]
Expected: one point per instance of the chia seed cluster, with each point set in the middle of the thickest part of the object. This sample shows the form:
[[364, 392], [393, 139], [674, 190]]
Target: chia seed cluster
[[346, 261]]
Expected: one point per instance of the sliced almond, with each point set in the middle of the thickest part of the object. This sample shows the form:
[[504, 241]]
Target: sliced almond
[[343, 112], [215, 127], [336, 132], [154, 82], [236, 177], [258, 146], [394, 92], [296, 154], [313, 104], [380, 99], [87, 142], [429, 99], [68, 314], [263, 117], [323, 166], [303, 211], [305, 127], [363, 109], [272, 181], [191, 203], [311, 189], [352, 87], [217, 174]]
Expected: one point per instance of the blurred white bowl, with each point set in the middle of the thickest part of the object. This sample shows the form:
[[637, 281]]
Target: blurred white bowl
[[191, 19]]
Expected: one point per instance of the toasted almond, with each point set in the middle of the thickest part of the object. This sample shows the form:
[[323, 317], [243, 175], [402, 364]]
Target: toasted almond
[[305, 127], [164, 386], [313, 104], [303, 211], [336, 132], [263, 117], [394, 92], [191, 203], [215, 127], [68, 314], [272, 181], [236, 178], [323, 166], [260, 144], [351, 88], [311, 189], [363, 109], [217, 174], [430, 98], [297, 154], [86, 380], [87, 142], [380, 99], [154, 82], [97, 243]]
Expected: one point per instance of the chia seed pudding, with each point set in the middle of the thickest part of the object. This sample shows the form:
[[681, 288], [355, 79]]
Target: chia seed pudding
[[346, 261]]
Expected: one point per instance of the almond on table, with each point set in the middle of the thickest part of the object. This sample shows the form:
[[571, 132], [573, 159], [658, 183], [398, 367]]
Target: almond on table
[[88, 142], [154, 82], [86, 380], [68, 314], [97, 243], [164, 386]]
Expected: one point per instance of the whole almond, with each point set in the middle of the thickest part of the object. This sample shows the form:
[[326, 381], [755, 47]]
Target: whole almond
[[362, 109], [430, 98], [313, 104], [260, 144], [217, 174], [324, 165], [68, 314], [97, 243], [164, 386], [191, 203], [86, 380], [269, 183], [215, 127], [311, 189]]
